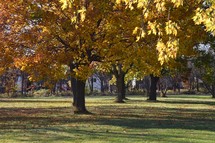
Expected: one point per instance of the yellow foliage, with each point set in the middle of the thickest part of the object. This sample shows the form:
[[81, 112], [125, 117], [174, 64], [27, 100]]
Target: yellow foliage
[[177, 3], [206, 17], [66, 3], [171, 28], [138, 32]]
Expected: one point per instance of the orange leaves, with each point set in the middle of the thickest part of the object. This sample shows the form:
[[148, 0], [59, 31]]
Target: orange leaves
[[47, 36], [83, 72]]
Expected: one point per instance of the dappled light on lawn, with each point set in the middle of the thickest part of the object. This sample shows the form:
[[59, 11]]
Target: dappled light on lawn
[[173, 119]]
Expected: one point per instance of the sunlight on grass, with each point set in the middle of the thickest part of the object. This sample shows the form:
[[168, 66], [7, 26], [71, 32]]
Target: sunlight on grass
[[178, 119]]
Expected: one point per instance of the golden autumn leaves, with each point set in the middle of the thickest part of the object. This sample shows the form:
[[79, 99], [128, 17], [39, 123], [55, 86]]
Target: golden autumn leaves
[[109, 28], [165, 50], [206, 16], [158, 19]]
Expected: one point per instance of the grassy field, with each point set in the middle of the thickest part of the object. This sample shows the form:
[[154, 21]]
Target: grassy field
[[176, 119]]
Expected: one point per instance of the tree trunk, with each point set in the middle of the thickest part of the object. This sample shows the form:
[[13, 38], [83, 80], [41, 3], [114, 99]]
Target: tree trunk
[[213, 91], [78, 89], [197, 85], [163, 92], [53, 90], [102, 86], [210, 88], [92, 85], [153, 88], [120, 84], [147, 85], [23, 92], [123, 87], [60, 86]]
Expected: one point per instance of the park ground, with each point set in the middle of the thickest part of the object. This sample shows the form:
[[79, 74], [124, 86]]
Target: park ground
[[178, 119]]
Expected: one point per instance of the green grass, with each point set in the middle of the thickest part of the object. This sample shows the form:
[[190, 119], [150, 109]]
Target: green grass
[[178, 119]]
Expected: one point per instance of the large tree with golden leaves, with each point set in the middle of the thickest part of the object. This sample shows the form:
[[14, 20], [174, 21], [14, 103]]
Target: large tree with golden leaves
[[45, 36]]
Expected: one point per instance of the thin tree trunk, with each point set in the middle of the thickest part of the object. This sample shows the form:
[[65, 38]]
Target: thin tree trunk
[[213, 91], [23, 82], [102, 86], [163, 92], [197, 85], [53, 90], [123, 87], [60, 86], [153, 88], [92, 85]]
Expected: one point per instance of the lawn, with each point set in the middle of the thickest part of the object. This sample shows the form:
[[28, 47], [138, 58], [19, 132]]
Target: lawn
[[176, 119]]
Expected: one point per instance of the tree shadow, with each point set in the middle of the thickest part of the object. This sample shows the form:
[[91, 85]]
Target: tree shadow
[[161, 118], [161, 124], [211, 103], [63, 125], [37, 118], [33, 100]]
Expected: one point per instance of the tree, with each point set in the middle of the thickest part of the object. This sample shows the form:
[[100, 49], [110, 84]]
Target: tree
[[205, 65], [206, 15], [166, 30], [118, 46], [53, 40], [145, 34], [163, 29]]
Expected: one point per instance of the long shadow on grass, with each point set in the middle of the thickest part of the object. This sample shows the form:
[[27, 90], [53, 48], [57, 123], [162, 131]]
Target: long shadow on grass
[[35, 100], [160, 124], [87, 135], [188, 102], [160, 118], [70, 133], [174, 101], [147, 117], [131, 118], [37, 118]]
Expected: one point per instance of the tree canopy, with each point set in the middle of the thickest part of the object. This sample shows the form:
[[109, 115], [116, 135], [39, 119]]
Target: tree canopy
[[46, 38]]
